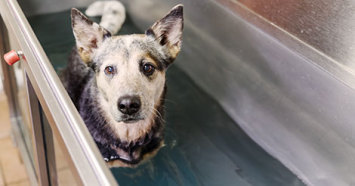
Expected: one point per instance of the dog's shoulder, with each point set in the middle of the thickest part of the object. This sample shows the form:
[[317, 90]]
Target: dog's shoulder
[[75, 76]]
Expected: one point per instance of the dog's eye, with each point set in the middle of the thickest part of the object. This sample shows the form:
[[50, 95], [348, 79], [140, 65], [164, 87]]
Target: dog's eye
[[148, 69], [109, 70]]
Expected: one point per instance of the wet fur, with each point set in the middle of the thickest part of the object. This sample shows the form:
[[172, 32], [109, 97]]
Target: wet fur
[[126, 143], [80, 83]]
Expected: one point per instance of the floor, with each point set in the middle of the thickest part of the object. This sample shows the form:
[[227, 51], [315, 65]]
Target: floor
[[12, 169]]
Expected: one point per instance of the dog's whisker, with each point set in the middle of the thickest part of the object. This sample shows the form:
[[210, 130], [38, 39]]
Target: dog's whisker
[[115, 98], [159, 114]]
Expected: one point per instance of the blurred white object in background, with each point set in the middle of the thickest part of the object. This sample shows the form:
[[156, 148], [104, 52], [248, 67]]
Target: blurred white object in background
[[113, 14]]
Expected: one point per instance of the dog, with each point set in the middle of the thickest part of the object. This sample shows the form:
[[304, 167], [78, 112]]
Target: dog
[[117, 83]]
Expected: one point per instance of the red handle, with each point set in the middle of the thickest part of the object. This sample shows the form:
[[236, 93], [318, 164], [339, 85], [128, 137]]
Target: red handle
[[11, 57]]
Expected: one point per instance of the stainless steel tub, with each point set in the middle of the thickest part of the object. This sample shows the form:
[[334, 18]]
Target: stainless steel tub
[[283, 70]]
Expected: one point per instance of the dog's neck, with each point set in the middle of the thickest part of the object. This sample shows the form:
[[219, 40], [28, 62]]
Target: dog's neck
[[130, 132], [127, 142]]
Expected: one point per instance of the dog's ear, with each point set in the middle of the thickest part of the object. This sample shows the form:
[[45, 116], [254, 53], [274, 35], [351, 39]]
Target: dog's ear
[[168, 31], [88, 35]]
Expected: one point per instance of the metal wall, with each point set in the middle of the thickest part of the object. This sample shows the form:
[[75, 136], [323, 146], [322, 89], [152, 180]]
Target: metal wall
[[282, 69], [295, 97], [34, 7]]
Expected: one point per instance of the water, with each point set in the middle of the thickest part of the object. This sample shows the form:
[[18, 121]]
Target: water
[[204, 146]]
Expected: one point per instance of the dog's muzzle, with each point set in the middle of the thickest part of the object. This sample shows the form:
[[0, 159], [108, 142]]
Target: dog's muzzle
[[129, 106]]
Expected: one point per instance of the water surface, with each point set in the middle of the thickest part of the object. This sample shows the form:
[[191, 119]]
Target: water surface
[[203, 145]]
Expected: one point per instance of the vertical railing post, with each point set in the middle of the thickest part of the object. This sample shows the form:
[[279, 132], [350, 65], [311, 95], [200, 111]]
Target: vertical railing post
[[10, 89], [9, 81], [43, 141], [38, 136]]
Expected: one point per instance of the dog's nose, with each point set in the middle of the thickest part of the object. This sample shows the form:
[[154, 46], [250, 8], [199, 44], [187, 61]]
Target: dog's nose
[[129, 104]]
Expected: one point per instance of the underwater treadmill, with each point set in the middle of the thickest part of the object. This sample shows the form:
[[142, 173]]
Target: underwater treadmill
[[261, 94]]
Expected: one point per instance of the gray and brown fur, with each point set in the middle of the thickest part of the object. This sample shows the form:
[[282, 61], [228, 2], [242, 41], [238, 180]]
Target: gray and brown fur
[[96, 92]]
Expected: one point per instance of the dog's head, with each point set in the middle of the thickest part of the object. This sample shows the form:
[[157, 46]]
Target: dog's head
[[129, 69]]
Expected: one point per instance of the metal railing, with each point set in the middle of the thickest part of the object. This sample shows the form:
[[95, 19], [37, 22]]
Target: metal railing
[[293, 95], [46, 92]]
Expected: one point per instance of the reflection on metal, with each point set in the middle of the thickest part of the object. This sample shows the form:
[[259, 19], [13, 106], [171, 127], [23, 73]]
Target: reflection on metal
[[327, 25], [292, 92], [63, 118], [304, 45]]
